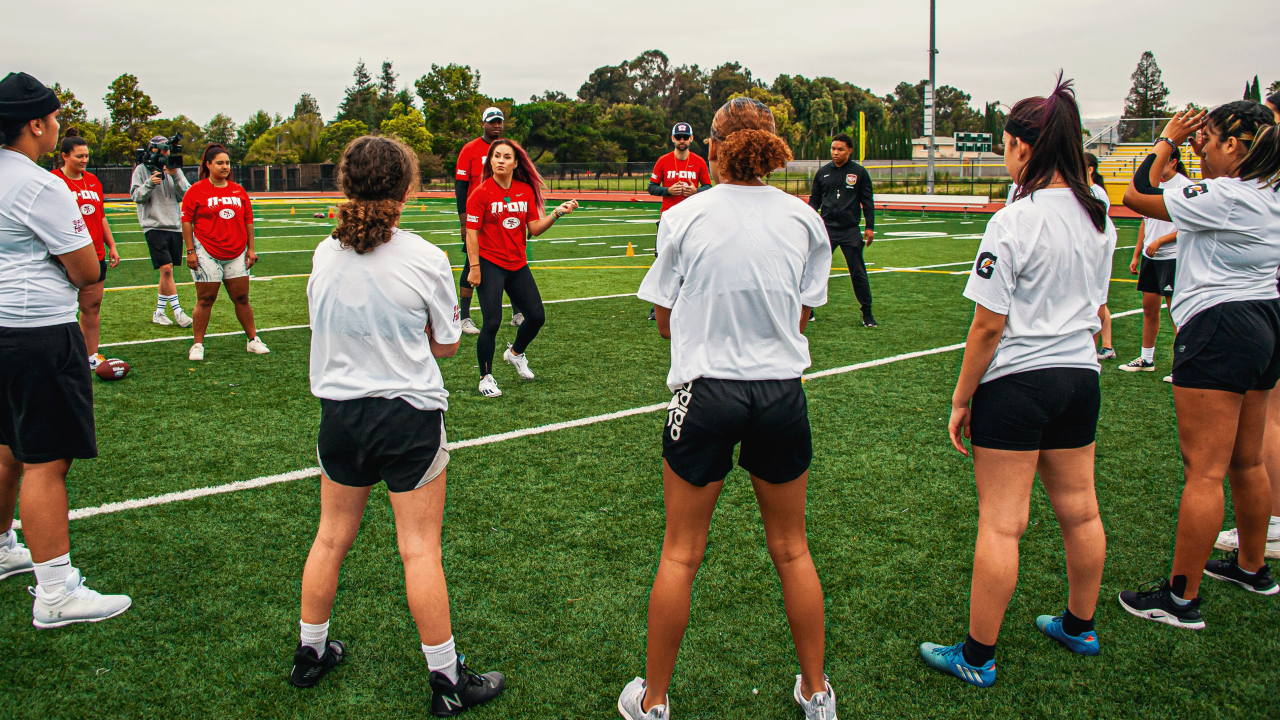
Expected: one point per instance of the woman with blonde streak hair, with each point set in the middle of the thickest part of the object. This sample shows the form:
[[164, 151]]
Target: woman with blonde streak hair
[[741, 266]]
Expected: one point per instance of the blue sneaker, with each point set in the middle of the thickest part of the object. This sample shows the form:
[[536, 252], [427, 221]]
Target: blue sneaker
[[950, 659], [1084, 644]]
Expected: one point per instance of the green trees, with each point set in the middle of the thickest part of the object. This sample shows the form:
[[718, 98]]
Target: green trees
[[335, 137], [451, 106], [1147, 99]]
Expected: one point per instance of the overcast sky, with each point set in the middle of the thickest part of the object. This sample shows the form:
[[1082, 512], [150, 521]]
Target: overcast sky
[[200, 58]]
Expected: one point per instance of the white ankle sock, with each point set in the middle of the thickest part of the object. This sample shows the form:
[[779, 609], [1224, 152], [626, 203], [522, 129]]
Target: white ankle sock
[[315, 636], [8, 540], [442, 658], [1149, 354], [1275, 520], [1178, 601], [51, 573]]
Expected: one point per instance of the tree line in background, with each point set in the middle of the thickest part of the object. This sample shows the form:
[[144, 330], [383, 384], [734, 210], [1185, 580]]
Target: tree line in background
[[1148, 98], [622, 113]]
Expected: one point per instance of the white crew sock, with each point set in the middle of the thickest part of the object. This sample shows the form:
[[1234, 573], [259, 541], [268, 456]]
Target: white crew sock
[[1275, 519], [173, 303], [442, 658], [160, 302], [8, 540], [51, 573], [1149, 354], [315, 636]]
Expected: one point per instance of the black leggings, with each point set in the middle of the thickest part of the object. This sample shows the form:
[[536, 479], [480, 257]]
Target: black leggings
[[522, 289]]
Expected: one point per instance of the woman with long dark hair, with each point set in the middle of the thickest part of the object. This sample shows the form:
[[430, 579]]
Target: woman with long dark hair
[[1227, 353], [88, 192], [502, 213], [217, 227], [1106, 351], [1155, 262], [373, 289], [1027, 397], [741, 267]]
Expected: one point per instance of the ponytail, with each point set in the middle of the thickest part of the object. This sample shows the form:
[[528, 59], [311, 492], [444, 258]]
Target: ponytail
[[376, 173], [71, 141], [1263, 161], [749, 144], [1091, 163]]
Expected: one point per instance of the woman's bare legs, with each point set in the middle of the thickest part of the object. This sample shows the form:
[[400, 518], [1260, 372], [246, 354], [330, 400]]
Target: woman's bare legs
[[91, 315], [1067, 476], [341, 509], [1004, 479], [419, 515]]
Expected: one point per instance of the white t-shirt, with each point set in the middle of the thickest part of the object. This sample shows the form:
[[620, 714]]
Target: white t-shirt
[[38, 219], [1045, 266], [1229, 231], [736, 265], [1153, 229], [1097, 190], [369, 315]]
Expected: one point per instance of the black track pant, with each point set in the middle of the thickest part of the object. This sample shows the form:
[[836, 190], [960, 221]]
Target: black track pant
[[858, 272], [519, 285]]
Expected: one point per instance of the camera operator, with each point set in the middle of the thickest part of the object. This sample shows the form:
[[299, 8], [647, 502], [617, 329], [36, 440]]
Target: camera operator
[[158, 194]]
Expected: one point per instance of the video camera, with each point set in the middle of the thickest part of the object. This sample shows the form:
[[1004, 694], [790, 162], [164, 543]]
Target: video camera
[[152, 157]]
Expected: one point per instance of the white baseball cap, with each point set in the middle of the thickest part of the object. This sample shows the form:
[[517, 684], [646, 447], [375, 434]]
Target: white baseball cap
[[491, 114]]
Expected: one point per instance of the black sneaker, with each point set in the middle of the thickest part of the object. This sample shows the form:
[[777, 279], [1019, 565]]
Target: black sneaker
[[308, 669], [1154, 601], [449, 699], [868, 320], [653, 314], [1229, 570]]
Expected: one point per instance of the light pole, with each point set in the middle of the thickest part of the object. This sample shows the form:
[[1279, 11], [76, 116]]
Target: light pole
[[929, 91]]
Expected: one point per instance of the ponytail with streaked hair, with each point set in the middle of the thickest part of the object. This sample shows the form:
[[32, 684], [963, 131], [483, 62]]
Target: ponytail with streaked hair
[[748, 144], [1051, 126]]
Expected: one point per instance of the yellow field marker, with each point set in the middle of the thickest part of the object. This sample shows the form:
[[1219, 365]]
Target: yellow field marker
[[293, 211], [631, 252]]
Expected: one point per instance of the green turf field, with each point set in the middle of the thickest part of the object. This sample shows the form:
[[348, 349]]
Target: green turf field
[[552, 540]]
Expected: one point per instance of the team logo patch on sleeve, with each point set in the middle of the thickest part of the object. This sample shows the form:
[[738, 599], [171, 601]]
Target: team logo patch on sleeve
[[78, 226], [472, 218], [1195, 190], [986, 266]]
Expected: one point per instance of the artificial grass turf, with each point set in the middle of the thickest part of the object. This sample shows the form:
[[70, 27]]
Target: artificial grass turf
[[551, 541]]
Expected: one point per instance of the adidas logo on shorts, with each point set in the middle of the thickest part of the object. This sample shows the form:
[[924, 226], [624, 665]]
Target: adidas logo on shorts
[[677, 409]]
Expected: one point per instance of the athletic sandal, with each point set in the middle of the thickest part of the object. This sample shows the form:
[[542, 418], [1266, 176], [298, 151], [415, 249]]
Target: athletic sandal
[[1154, 601], [1229, 570], [631, 703], [449, 698], [1229, 540], [308, 669], [822, 706], [469, 327], [1138, 365], [489, 387], [1086, 643], [520, 362], [950, 659]]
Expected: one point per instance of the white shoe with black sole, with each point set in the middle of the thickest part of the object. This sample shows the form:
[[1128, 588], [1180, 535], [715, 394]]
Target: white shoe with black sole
[[1138, 365]]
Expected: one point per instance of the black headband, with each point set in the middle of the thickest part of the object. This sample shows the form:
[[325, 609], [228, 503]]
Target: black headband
[[22, 97], [1022, 131]]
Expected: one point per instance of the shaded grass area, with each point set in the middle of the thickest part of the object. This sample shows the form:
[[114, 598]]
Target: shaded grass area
[[551, 541]]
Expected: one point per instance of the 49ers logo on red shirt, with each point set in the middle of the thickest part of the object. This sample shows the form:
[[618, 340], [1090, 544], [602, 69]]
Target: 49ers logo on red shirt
[[511, 223]]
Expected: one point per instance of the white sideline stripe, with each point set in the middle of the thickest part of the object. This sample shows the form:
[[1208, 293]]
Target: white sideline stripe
[[474, 442]]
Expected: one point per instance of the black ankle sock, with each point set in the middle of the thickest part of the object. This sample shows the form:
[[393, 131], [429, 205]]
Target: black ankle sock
[[977, 654], [1073, 625], [1179, 585], [464, 307]]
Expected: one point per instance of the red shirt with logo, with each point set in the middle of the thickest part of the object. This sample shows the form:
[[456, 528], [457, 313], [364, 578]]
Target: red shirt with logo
[[88, 192], [669, 170], [471, 160], [220, 216], [501, 217]]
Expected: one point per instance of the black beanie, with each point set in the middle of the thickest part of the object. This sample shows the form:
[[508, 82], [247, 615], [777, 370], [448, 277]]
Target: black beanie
[[23, 97]]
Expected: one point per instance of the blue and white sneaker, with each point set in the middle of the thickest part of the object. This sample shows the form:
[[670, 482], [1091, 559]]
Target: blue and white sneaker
[[1086, 643], [950, 659]]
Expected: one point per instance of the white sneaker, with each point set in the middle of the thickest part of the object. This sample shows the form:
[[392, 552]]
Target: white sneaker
[[1168, 378], [158, 317], [95, 360], [197, 352], [184, 320], [74, 603], [520, 362], [1138, 365], [14, 560], [256, 346], [822, 706], [1229, 540], [469, 327], [516, 319], [489, 387], [1106, 354], [631, 701]]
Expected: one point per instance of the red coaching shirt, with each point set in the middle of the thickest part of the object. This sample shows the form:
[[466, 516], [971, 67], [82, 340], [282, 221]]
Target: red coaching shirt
[[220, 216], [668, 171], [502, 219], [471, 160], [88, 192]]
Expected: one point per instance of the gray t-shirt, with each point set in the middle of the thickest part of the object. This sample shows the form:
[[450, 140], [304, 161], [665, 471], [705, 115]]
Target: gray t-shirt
[[159, 206]]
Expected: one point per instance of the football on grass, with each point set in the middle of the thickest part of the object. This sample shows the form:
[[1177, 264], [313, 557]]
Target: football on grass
[[113, 369]]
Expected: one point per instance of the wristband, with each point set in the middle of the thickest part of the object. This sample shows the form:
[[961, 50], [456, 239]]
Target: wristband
[[557, 214], [191, 251], [1165, 139]]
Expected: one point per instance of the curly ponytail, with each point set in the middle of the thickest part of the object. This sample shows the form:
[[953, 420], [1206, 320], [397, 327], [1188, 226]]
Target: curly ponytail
[[749, 146], [376, 174]]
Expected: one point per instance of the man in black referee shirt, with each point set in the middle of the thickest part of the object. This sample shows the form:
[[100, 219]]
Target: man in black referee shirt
[[842, 193]]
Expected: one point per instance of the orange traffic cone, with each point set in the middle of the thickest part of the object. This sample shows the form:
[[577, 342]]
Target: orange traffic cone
[[631, 251], [293, 211], [331, 212]]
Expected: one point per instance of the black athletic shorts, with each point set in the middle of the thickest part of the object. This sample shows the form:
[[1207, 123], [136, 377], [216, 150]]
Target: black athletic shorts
[[1047, 409], [46, 394], [1156, 276], [1234, 346], [102, 271], [369, 439], [166, 248], [707, 417]]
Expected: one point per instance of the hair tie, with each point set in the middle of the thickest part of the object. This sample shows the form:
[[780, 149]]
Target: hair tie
[[1023, 131]]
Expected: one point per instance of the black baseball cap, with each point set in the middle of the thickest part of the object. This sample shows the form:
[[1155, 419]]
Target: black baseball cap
[[682, 128]]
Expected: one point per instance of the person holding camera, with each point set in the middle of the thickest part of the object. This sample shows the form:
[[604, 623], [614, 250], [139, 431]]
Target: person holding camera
[[46, 390], [158, 190]]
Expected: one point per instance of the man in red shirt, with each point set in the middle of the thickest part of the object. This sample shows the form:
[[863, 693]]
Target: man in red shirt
[[678, 175], [469, 174]]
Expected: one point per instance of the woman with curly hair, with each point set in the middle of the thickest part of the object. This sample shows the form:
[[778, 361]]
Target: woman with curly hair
[[383, 309], [741, 266]]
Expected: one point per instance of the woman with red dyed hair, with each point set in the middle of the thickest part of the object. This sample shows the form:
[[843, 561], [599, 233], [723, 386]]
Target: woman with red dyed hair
[[501, 214]]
